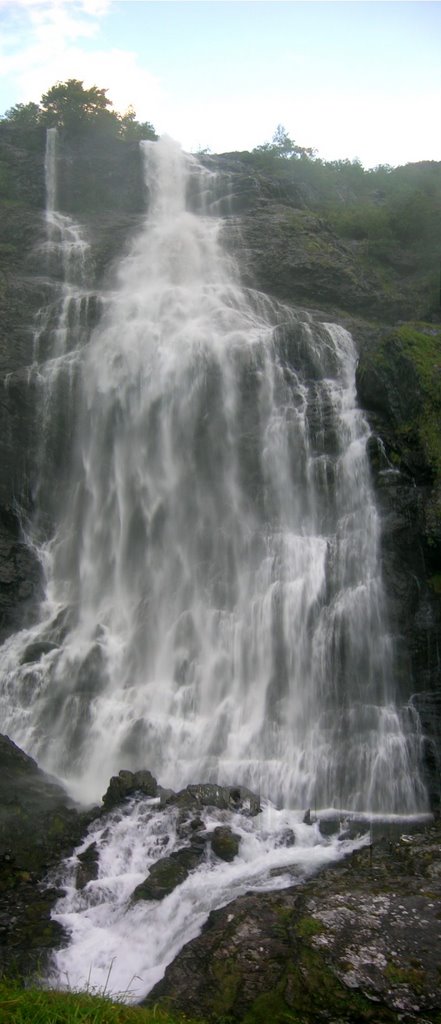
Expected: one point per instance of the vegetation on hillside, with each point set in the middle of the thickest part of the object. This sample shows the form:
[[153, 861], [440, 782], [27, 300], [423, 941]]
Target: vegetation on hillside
[[402, 202], [385, 222], [390, 215]]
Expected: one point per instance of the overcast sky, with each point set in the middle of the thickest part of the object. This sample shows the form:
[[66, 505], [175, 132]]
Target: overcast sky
[[347, 78]]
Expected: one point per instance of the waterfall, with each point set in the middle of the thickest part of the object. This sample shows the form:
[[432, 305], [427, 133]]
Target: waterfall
[[214, 608]]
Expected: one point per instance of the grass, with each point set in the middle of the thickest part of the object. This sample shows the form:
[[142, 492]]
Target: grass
[[20, 1005]]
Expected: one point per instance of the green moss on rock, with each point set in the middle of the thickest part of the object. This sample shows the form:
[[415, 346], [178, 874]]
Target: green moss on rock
[[309, 926]]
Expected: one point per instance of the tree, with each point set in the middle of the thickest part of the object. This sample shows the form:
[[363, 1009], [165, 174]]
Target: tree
[[132, 130], [77, 111], [69, 105], [282, 146], [24, 115]]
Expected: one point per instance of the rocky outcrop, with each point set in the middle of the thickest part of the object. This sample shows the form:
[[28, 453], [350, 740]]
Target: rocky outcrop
[[294, 255], [358, 944]]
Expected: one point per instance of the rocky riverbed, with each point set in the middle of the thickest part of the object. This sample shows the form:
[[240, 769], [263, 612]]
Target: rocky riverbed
[[360, 941]]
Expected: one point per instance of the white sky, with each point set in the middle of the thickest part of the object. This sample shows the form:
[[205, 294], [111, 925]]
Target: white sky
[[351, 79]]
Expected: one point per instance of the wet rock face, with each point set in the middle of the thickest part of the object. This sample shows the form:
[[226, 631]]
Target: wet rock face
[[359, 943], [87, 869], [292, 254], [39, 825], [20, 574], [398, 386]]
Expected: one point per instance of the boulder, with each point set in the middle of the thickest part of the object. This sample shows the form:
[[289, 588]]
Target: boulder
[[87, 870], [168, 873], [127, 783], [226, 798], [225, 843]]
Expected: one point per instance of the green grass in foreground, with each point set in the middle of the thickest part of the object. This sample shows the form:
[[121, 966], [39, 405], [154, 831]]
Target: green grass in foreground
[[34, 1006]]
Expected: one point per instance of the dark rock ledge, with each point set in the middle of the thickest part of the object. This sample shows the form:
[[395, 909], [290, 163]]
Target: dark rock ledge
[[39, 825]]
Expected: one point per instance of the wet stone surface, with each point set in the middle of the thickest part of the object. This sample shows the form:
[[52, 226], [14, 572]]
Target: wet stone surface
[[39, 825], [360, 942]]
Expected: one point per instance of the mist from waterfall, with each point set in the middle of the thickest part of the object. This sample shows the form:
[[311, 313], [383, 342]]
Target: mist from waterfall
[[214, 608]]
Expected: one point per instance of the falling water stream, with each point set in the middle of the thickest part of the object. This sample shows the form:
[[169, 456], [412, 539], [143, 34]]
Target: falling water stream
[[214, 609]]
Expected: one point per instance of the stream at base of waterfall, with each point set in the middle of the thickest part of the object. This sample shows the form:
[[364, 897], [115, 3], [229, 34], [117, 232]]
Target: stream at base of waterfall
[[213, 608]]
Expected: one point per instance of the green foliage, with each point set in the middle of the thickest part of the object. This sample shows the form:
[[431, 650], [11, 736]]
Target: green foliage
[[281, 146], [24, 115], [133, 130], [422, 346], [34, 1006], [386, 207], [78, 111], [70, 106], [360, 221], [277, 156], [409, 217]]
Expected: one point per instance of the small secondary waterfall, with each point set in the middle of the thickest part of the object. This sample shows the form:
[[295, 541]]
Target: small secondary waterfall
[[214, 607], [61, 331]]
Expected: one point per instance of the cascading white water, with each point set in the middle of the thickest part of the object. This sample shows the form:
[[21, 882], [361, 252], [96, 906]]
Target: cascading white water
[[125, 946], [214, 607], [62, 329]]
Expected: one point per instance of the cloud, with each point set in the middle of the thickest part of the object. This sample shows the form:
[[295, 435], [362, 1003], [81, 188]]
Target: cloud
[[117, 71], [54, 45], [55, 21]]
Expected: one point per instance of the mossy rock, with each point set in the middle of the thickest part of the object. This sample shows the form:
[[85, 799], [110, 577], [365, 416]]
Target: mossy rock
[[399, 384], [167, 874], [225, 843], [127, 783]]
